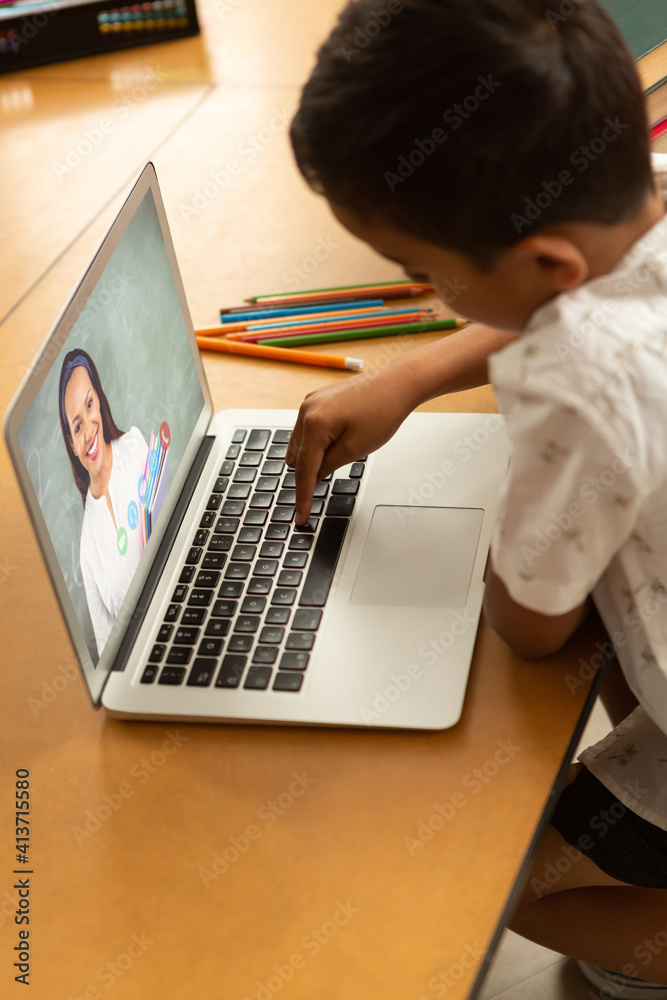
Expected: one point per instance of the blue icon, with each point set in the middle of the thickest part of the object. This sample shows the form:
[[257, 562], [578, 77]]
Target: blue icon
[[133, 515], [143, 483]]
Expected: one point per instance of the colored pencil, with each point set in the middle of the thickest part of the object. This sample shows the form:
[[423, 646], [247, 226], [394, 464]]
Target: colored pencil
[[278, 354], [389, 289], [299, 324], [235, 313], [311, 319], [347, 316], [364, 334], [253, 336], [658, 129]]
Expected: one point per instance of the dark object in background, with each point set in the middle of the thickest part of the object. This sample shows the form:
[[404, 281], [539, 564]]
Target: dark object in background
[[33, 33]]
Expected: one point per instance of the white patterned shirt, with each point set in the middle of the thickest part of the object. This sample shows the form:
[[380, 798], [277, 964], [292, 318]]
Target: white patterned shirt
[[584, 395]]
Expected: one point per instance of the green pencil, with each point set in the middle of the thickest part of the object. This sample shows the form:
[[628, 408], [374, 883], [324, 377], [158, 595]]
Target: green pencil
[[364, 333]]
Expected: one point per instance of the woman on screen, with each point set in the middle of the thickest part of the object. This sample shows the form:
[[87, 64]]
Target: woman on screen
[[108, 467]]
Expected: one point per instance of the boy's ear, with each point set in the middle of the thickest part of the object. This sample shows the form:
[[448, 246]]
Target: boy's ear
[[553, 259]]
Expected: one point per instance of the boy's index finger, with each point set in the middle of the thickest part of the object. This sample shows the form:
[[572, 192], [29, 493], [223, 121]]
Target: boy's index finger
[[296, 438], [314, 447], [306, 472], [316, 430], [304, 456], [293, 446]]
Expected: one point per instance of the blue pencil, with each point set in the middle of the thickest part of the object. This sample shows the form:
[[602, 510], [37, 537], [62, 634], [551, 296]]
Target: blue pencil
[[252, 312]]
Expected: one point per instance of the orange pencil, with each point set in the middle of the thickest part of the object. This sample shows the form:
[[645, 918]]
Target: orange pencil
[[280, 354]]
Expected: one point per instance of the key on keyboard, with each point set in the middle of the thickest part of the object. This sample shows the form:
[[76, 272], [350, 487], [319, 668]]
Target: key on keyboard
[[276, 571]]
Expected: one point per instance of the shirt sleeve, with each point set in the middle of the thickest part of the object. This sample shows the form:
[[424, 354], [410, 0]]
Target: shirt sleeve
[[570, 503]]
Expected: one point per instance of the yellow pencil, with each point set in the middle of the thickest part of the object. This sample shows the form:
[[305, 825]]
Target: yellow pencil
[[280, 354]]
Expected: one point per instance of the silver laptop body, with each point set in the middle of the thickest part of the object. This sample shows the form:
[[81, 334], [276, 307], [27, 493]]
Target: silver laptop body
[[188, 593]]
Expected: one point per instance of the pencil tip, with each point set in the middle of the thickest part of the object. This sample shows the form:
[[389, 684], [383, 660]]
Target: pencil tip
[[354, 364]]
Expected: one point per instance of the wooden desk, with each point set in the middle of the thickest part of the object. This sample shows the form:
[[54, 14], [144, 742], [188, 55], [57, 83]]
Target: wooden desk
[[234, 862]]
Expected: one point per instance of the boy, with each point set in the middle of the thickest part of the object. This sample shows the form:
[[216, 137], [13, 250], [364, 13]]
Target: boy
[[498, 148]]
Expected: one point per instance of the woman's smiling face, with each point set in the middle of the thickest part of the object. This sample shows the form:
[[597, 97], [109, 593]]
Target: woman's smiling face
[[84, 422]]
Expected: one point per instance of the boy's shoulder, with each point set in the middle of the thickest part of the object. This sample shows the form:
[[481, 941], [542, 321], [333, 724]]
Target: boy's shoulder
[[602, 333], [597, 356]]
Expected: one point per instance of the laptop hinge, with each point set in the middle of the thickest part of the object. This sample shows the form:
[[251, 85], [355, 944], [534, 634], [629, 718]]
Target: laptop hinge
[[146, 596]]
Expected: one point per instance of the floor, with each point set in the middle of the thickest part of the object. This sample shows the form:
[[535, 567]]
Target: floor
[[522, 970]]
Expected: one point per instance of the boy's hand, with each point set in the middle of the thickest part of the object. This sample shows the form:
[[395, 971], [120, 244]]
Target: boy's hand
[[340, 423]]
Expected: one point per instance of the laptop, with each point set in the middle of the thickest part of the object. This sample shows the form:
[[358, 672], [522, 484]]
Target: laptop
[[168, 530]]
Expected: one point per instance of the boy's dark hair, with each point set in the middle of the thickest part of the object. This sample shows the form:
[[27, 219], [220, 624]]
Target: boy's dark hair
[[471, 123]]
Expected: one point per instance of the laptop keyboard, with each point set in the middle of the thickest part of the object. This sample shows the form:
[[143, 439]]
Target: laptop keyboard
[[249, 601]]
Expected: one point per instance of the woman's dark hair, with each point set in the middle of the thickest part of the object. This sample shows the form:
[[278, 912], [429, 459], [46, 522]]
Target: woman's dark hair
[[76, 359], [471, 123]]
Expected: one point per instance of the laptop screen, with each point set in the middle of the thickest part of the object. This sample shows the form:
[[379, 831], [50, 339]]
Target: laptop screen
[[106, 433]]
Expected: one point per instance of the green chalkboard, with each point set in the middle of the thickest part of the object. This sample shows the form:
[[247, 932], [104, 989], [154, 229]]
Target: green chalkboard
[[133, 328]]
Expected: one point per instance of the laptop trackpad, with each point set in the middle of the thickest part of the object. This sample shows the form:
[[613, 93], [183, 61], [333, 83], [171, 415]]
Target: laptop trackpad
[[418, 557]]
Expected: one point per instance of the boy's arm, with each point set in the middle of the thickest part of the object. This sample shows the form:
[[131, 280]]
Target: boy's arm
[[340, 423], [529, 634]]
